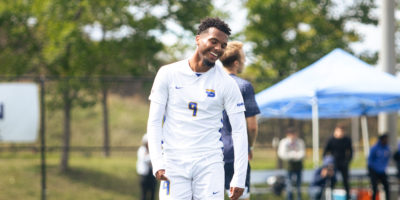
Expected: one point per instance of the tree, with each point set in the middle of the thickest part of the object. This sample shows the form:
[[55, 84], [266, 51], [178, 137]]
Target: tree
[[50, 38], [68, 51], [287, 36], [65, 52], [16, 48], [135, 53]]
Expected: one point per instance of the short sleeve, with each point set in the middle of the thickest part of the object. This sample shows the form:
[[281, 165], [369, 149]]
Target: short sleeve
[[250, 101], [159, 91], [233, 100]]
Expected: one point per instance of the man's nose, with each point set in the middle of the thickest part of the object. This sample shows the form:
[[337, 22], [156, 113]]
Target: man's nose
[[219, 48]]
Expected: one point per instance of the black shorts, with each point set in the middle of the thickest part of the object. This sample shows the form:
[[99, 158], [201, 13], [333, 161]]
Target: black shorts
[[229, 173]]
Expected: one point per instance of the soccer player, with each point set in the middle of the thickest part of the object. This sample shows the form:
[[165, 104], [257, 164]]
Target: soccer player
[[186, 150], [233, 61]]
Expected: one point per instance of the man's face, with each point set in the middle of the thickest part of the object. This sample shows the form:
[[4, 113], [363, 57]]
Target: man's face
[[384, 141], [292, 135], [211, 45], [338, 133]]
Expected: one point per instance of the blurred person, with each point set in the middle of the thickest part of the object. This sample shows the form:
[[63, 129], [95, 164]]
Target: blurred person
[[396, 158], [186, 151], [144, 169], [323, 179], [291, 149], [233, 61], [378, 160], [341, 148]]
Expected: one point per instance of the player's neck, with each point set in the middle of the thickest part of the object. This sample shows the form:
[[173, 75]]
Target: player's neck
[[231, 70], [197, 64]]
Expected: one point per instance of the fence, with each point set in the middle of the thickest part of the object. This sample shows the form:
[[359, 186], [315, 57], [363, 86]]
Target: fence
[[82, 114], [109, 114]]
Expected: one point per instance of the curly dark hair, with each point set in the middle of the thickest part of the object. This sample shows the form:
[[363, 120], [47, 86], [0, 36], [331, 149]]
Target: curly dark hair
[[213, 22]]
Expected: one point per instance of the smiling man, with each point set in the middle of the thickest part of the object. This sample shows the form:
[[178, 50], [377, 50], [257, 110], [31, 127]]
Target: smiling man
[[186, 150]]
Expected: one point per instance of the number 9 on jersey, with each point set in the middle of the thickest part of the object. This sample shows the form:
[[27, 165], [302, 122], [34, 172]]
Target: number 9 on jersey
[[193, 106]]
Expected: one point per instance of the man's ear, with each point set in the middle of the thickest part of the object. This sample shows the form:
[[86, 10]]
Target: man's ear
[[236, 63], [197, 40]]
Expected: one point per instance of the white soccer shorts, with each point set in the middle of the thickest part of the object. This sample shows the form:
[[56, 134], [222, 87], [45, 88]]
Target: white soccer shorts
[[194, 179]]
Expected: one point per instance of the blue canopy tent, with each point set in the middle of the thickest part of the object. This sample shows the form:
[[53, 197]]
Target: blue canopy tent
[[338, 85]]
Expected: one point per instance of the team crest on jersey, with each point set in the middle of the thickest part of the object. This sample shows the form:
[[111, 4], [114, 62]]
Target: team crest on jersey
[[210, 92]]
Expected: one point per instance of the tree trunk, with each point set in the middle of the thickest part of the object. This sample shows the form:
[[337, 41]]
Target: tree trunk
[[67, 131], [105, 123]]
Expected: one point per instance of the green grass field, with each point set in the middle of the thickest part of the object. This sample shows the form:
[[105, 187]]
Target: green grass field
[[92, 176], [89, 178]]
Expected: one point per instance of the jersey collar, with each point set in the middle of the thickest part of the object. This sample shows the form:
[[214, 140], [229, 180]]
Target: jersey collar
[[187, 70]]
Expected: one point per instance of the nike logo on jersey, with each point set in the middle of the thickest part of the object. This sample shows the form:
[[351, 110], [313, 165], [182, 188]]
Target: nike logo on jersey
[[210, 92], [214, 193], [177, 87], [240, 104]]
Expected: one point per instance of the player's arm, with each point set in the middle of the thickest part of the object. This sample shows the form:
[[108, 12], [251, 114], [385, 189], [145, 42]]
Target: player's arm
[[251, 111], [159, 99], [282, 150], [327, 149], [350, 146], [154, 131], [252, 132], [302, 152], [240, 144]]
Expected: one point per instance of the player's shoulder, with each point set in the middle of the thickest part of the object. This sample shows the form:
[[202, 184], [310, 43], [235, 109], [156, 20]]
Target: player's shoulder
[[223, 75], [284, 140], [169, 71], [173, 66], [242, 82]]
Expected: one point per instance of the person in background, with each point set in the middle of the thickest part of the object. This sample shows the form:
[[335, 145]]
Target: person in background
[[233, 61], [378, 160], [324, 178], [341, 148], [144, 169], [291, 149], [396, 158]]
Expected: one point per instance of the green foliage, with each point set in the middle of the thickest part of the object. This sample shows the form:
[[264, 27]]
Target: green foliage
[[128, 45], [50, 38], [189, 12], [16, 48], [289, 35]]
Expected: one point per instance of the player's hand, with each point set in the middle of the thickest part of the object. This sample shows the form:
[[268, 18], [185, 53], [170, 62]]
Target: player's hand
[[250, 154], [160, 175], [236, 193]]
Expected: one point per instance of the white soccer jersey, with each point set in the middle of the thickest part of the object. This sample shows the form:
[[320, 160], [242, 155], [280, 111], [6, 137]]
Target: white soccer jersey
[[194, 105]]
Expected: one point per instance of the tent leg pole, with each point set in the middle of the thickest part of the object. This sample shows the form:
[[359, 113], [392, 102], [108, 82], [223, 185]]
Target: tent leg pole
[[364, 128], [315, 131], [355, 135]]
